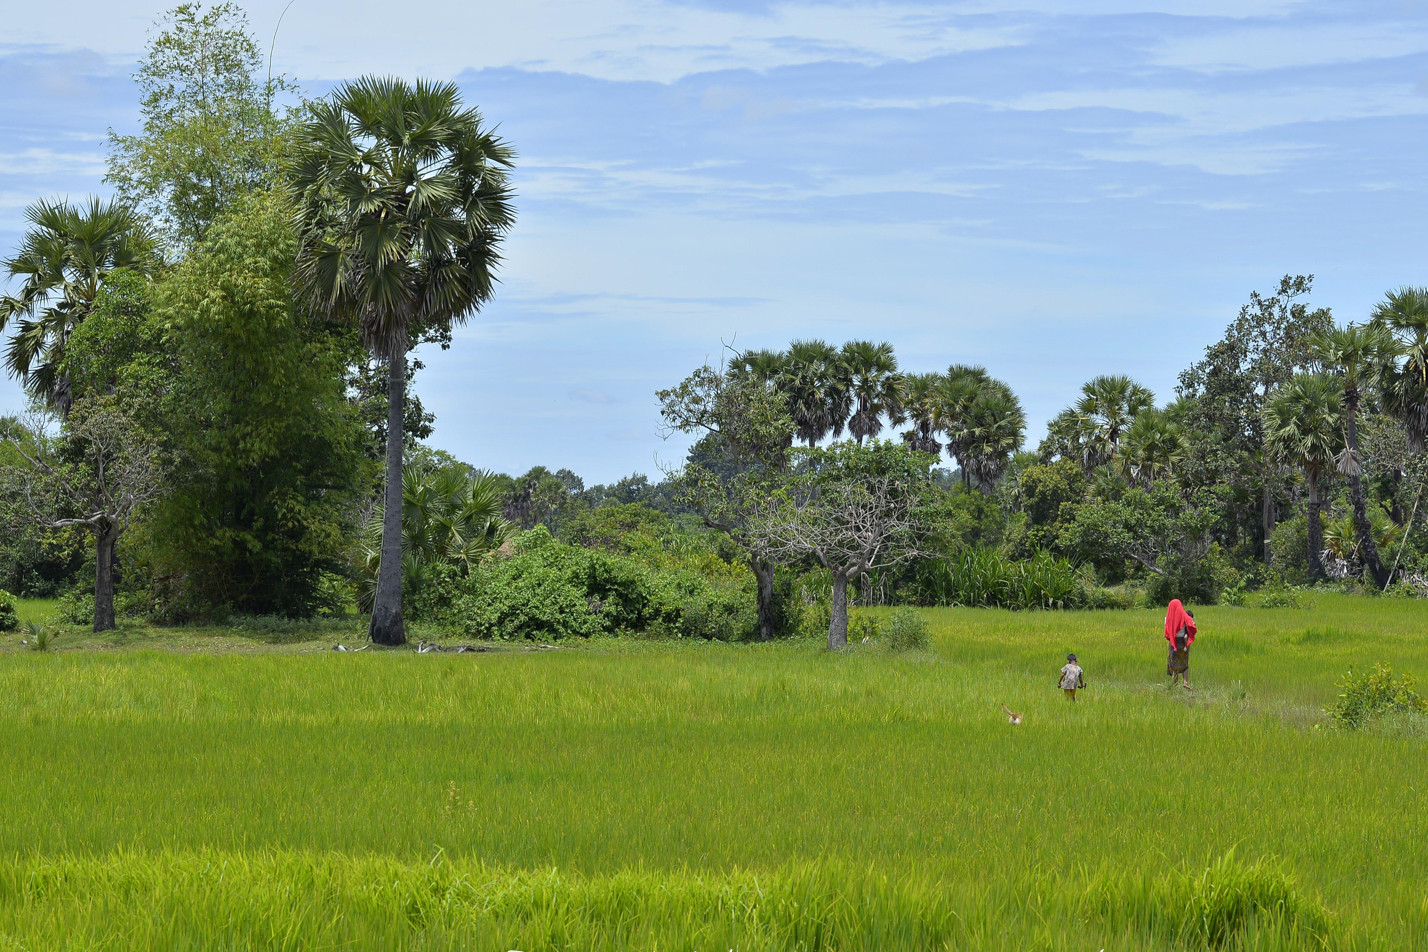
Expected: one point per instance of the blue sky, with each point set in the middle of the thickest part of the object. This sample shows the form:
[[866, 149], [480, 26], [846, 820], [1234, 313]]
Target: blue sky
[[1053, 190]]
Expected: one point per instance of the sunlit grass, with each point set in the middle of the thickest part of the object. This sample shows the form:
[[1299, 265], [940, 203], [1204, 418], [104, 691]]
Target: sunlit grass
[[718, 765]]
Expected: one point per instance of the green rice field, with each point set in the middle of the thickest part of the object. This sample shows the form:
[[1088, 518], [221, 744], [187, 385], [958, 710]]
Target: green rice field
[[253, 789]]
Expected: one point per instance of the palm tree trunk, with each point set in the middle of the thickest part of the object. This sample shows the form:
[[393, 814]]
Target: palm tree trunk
[[764, 576], [1316, 531], [105, 539], [838, 620], [387, 627], [1368, 548]]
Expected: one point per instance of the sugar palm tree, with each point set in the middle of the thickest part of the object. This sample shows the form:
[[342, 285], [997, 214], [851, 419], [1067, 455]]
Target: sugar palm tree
[[1403, 379], [873, 387], [1302, 423], [1108, 405], [816, 383], [63, 261], [919, 394], [763, 365], [448, 518], [1353, 353], [992, 430], [1150, 449], [403, 197], [956, 392]]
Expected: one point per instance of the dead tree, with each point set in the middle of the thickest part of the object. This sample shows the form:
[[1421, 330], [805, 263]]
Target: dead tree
[[99, 474]]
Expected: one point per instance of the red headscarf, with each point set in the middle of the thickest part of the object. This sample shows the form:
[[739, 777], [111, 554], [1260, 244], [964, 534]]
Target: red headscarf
[[1176, 618]]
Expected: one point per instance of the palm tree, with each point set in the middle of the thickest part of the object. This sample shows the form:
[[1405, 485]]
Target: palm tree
[[817, 386], [1108, 405], [992, 430], [1353, 352], [403, 198], [1404, 386], [919, 396], [448, 518], [64, 259], [957, 391], [764, 366], [873, 387], [1301, 428], [1151, 447]]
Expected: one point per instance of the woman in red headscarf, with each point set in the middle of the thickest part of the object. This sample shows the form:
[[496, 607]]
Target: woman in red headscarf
[[1180, 632]]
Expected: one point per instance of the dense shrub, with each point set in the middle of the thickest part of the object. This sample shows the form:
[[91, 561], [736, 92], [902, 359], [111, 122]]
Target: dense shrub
[[1189, 579], [548, 590], [1365, 697], [986, 577], [9, 612], [76, 608], [906, 630], [1289, 550]]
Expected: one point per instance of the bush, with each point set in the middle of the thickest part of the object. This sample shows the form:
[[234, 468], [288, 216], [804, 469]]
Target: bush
[[814, 620], [548, 590], [75, 608], [1365, 697], [1190, 580], [1280, 596], [906, 630], [863, 627], [1289, 550], [9, 612]]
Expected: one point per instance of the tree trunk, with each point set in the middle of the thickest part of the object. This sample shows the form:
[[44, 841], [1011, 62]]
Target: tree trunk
[[1316, 531], [105, 539], [1267, 516], [387, 627], [764, 576], [838, 622], [1368, 548]]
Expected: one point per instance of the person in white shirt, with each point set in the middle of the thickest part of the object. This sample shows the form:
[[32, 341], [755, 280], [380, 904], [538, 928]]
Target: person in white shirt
[[1071, 677]]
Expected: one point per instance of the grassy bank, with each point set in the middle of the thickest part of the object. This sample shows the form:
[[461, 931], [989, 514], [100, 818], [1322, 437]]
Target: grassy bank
[[702, 770]]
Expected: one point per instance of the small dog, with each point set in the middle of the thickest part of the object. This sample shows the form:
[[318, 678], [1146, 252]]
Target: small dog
[[1012, 716]]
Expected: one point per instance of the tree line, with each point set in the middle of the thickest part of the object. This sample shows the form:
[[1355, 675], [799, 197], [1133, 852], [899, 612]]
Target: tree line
[[219, 360]]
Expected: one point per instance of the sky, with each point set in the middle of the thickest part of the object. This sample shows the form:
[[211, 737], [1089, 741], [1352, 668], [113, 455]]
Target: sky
[[1053, 190]]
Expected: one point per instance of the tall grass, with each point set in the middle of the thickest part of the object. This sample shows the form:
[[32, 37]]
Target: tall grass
[[165, 797], [985, 578], [283, 900]]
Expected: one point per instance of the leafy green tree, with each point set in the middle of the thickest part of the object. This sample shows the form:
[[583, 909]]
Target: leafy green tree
[[1224, 394], [403, 200], [1302, 429], [210, 133], [66, 256], [855, 509], [741, 458], [873, 387], [1047, 495], [269, 470], [1353, 353]]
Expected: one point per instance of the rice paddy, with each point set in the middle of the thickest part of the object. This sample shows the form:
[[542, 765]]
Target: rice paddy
[[237, 789]]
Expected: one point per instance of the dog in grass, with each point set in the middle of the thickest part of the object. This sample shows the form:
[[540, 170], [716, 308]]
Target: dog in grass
[[1012, 716]]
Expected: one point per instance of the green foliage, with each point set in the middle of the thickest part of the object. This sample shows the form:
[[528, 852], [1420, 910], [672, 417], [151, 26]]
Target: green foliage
[[210, 134], [989, 578], [906, 630], [813, 620], [1289, 547], [75, 607], [548, 590], [271, 463], [1367, 696], [1047, 495], [1189, 578], [39, 637], [9, 613]]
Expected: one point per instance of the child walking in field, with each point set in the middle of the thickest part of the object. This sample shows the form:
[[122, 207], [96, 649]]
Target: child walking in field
[[1071, 677]]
